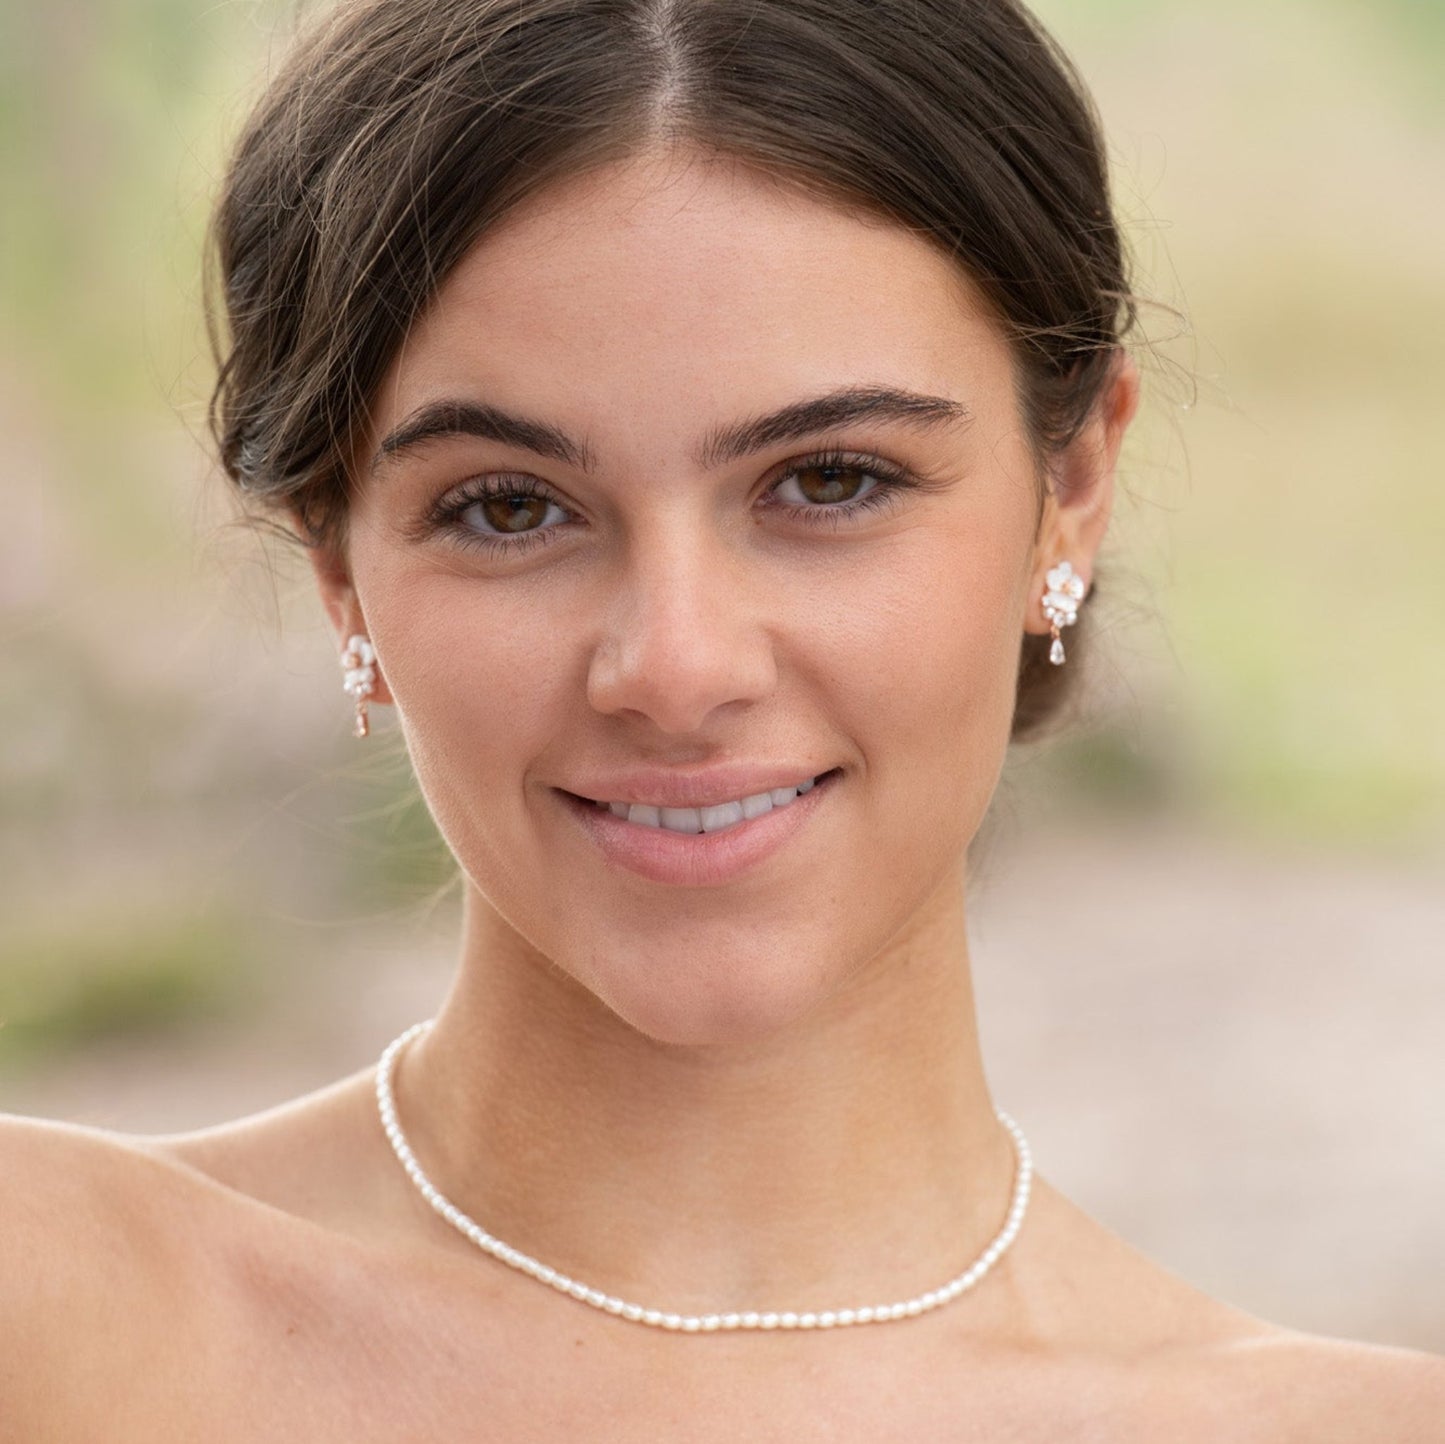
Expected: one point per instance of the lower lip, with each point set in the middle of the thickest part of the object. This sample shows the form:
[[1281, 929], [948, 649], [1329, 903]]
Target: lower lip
[[696, 859]]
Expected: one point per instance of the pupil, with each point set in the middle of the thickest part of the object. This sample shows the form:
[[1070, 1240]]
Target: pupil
[[832, 489], [514, 513]]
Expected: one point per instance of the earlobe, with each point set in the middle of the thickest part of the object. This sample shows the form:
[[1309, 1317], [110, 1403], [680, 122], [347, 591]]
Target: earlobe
[[343, 613], [1080, 503]]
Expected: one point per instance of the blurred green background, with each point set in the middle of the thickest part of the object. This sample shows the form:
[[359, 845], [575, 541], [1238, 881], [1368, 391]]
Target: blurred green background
[[190, 840]]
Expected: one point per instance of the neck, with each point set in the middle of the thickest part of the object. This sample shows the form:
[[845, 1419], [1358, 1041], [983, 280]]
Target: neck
[[851, 1156]]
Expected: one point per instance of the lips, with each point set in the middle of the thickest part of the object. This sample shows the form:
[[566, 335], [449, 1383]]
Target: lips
[[696, 858]]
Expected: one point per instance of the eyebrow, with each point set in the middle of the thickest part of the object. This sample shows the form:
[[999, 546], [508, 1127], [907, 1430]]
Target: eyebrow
[[438, 419], [841, 407]]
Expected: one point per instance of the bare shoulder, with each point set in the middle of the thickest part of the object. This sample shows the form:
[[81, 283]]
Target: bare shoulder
[[85, 1257], [69, 1187], [133, 1277], [78, 1190], [1341, 1391], [80, 1204], [1194, 1362]]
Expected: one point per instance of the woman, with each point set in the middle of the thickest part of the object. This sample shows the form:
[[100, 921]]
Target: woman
[[702, 419]]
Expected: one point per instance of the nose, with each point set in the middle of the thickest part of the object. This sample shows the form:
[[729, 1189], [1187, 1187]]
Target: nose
[[685, 632]]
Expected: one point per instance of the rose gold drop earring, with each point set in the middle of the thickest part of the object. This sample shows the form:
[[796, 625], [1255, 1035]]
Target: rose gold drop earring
[[1061, 604], [360, 679]]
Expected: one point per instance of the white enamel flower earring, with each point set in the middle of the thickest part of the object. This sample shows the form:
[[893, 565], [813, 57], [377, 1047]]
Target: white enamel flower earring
[[360, 679], [1061, 604]]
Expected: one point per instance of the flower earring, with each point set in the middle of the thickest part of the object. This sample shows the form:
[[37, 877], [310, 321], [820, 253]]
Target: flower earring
[[1061, 604], [360, 679]]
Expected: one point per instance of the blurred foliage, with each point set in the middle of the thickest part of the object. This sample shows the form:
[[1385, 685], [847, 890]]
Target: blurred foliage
[[398, 852], [78, 980]]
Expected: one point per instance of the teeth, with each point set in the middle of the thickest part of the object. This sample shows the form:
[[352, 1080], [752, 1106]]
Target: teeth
[[714, 819], [708, 819]]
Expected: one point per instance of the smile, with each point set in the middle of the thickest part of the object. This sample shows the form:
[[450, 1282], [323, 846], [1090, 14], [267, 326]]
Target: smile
[[717, 818], [706, 846]]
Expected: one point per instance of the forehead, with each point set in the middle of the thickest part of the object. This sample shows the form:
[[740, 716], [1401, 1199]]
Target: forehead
[[688, 286]]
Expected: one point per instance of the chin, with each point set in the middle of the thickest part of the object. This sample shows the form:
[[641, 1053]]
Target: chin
[[729, 1000]]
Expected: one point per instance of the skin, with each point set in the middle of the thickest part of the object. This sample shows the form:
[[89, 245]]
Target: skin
[[769, 1089]]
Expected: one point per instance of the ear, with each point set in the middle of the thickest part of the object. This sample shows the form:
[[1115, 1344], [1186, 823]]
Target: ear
[[1081, 494], [343, 608]]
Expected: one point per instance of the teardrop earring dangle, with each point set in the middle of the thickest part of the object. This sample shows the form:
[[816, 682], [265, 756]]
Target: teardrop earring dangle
[[360, 679], [1061, 604]]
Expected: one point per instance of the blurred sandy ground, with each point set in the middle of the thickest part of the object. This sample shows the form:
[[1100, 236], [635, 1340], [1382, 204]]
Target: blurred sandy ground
[[1207, 931]]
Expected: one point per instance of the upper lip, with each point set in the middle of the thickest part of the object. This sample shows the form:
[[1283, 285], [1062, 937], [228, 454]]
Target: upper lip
[[704, 787]]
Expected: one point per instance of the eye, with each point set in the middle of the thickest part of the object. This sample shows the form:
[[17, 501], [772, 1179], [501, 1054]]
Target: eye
[[824, 483], [500, 514], [834, 486], [510, 512]]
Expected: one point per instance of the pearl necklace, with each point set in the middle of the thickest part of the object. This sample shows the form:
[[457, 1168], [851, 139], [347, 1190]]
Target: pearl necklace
[[694, 1323]]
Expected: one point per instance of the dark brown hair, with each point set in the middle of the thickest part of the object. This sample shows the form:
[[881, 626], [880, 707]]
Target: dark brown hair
[[398, 131]]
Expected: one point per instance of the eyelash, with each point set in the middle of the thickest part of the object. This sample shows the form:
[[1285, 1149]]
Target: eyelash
[[892, 481]]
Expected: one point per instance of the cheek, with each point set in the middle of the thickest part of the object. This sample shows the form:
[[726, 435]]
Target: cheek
[[934, 667], [478, 685]]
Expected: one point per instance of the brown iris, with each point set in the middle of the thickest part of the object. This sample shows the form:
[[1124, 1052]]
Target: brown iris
[[832, 487], [514, 513]]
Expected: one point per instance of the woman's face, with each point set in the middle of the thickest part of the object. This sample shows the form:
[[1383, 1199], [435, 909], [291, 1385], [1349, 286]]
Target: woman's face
[[592, 570]]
